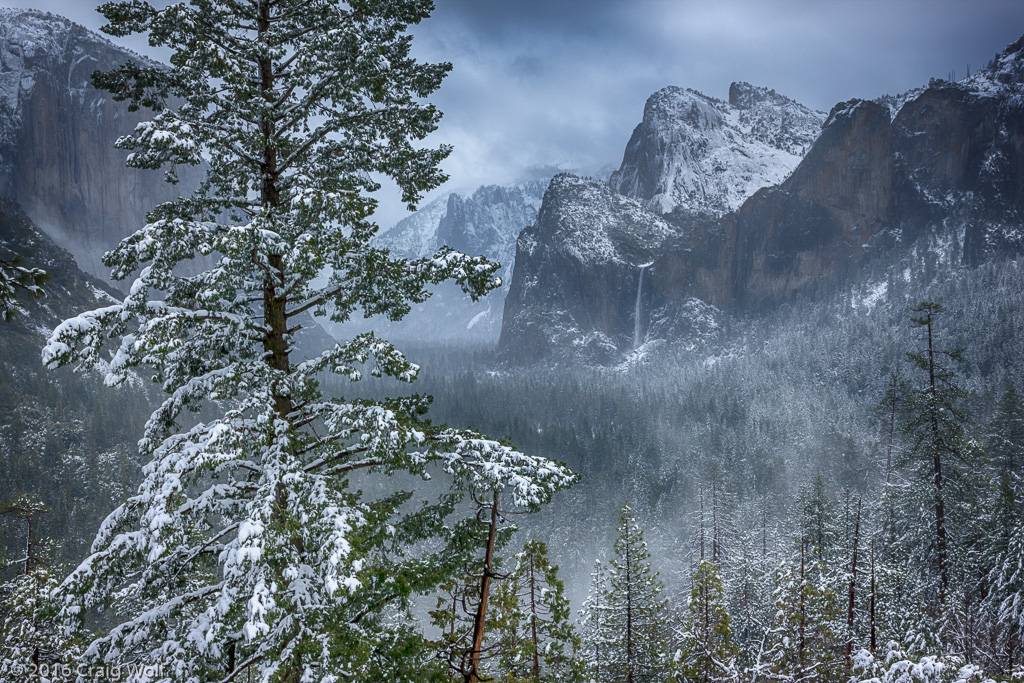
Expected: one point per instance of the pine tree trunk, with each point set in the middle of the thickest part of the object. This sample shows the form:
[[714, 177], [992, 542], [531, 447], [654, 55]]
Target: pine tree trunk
[[714, 522], [472, 675], [940, 508], [852, 593], [892, 430], [629, 611], [28, 544], [275, 318], [803, 614], [702, 522], [274, 304], [533, 623], [872, 602], [764, 536]]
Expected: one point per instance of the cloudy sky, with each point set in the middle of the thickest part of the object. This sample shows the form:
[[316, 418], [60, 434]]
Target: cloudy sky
[[563, 82]]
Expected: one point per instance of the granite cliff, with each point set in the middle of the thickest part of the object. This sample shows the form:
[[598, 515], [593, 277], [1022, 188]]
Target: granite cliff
[[485, 222], [943, 164], [57, 135], [579, 274], [694, 153]]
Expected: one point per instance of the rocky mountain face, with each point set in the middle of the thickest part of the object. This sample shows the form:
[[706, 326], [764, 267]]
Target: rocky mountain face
[[579, 276], [61, 433], [486, 222], [793, 236], [57, 134], [490, 220], [68, 291], [944, 166], [695, 153]]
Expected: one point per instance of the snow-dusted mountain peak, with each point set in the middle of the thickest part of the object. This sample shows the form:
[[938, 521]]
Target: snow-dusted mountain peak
[[595, 226], [1003, 75], [775, 119], [698, 153], [672, 105], [33, 42]]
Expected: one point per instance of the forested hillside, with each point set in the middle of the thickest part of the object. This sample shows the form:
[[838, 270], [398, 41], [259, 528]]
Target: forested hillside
[[784, 430]]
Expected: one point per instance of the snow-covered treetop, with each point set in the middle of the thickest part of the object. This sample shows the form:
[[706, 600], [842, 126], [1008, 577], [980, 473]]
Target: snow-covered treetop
[[266, 529]]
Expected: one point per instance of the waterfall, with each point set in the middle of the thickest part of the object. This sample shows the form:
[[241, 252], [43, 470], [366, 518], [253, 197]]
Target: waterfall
[[636, 309]]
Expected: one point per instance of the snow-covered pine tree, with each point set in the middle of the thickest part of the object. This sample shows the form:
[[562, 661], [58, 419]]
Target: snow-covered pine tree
[[1005, 438], [817, 518], [1004, 599], [804, 644], [32, 641], [706, 648], [532, 631], [592, 619], [15, 279], [748, 586], [266, 541], [940, 462], [632, 624]]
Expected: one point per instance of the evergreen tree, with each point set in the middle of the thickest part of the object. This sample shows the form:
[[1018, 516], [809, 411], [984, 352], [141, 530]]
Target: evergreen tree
[[593, 617], [532, 630], [1004, 599], [16, 278], [803, 637], [32, 637], [748, 587], [632, 628], [940, 462], [706, 647], [264, 540], [885, 412], [463, 611], [33, 642], [818, 518], [1005, 442]]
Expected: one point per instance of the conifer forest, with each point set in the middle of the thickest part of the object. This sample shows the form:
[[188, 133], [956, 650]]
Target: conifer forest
[[747, 406]]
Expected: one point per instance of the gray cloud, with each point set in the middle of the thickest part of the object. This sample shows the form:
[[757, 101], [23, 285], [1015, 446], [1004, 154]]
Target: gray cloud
[[542, 82]]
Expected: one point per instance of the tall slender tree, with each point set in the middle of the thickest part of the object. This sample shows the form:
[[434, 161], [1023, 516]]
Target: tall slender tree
[[1005, 438], [593, 620], [633, 633], [532, 630], [940, 459], [706, 648], [1004, 554], [805, 645], [263, 541]]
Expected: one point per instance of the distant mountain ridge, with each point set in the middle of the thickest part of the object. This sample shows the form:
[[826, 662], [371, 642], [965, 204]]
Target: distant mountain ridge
[[692, 152], [705, 154], [486, 222], [940, 167]]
